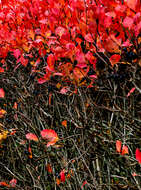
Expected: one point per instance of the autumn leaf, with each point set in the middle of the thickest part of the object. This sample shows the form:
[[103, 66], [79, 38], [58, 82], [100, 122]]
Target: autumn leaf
[[62, 176], [49, 135], [138, 155], [115, 59], [118, 146], [13, 182], [4, 184], [2, 113], [2, 93], [128, 22], [31, 136], [3, 135], [131, 91], [49, 168], [64, 123], [124, 150], [83, 184]]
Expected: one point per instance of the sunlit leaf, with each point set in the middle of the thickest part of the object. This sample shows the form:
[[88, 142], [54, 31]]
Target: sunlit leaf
[[62, 176], [31, 136], [49, 135], [2, 113], [2, 93], [128, 22], [115, 59], [118, 146], [13, 182], [4, 184], [131, 91], [138, 155], [124, 150], [64, 123]]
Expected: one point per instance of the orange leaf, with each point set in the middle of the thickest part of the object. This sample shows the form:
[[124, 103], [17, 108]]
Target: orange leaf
[[3, 183], [2, 113], [64, 123], [118, 146], [58, 181], [2, 93], [49, 168], [138, 155], [49, 135], [31, 136], [124, 150]]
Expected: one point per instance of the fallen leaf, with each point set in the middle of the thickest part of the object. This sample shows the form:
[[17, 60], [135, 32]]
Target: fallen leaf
[[58, 181], [3, 183], [131, 91], [2, 93], [13, 182], [62, 176], [2, 113], [31, 136], [84, 183], [49, 135], [64, 123], [49, 168], [118, 146], [124, 150], [138, 155]]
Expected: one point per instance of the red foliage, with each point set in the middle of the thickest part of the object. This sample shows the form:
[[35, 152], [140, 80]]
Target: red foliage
[[60, 27]]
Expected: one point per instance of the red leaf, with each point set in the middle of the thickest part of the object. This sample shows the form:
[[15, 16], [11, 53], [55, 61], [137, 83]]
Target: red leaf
[[16, 53], [23, 61], [114, 59], [2, 93], [31, 136], [118, 146], [130, 92], [84, 183], [50, 135], [138, 155], [124, 150], [62, 176], [128, 22], [13, 182], [132, 4], [89, 38]]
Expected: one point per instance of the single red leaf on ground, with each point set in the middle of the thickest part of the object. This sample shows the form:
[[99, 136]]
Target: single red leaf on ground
[[124, 150], [62, 176], [84, 183], [64, 123], [138, 155], [2, 93], [49, 135], [13, 182], [31, 136], [131, 91], [118, 146]]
